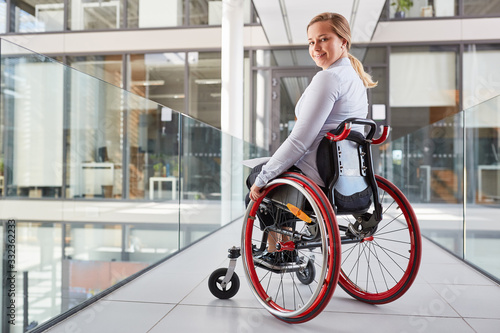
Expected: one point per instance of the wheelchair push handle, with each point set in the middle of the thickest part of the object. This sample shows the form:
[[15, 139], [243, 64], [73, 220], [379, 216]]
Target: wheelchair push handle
[[345, 133], [346, 125]]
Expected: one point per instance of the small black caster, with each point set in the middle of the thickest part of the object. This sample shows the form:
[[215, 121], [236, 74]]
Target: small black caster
[[219, 288]]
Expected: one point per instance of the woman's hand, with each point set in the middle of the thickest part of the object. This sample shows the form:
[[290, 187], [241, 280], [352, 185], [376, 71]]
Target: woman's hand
[[255, 192]]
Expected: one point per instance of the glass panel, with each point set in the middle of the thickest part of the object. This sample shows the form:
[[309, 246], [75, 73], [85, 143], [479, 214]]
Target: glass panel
[[427, 165], [95, 136], [105, 67], [33, 116], [209, 12], [481, 74], [155, 13], [39, 15], [3, 16], [205, 86], [481, 7], [483, 183], [95, 14], [115, 141], [37, 257], [159, 77], [200, 167], [291, 88], [283, 58], [427, 91], [401, 9], [154, 152]]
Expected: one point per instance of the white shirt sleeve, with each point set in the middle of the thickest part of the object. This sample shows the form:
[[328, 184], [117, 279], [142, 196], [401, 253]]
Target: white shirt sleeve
[[312, 111]]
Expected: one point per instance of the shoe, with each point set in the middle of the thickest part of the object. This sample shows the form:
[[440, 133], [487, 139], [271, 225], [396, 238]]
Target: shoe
[[271, 258]]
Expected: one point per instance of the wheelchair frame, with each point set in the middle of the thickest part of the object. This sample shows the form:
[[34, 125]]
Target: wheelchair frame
[[224, 283]]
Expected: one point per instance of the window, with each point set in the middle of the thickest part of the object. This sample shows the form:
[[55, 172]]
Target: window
[[39, 15]]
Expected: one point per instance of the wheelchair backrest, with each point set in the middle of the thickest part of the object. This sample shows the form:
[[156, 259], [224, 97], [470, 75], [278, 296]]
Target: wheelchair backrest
[[330, 165]]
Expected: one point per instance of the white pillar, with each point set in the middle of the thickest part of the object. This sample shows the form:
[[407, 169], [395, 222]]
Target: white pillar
[[232, 110], [232, 68]]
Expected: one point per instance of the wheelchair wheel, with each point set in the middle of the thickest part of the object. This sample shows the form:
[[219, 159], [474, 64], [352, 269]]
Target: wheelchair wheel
[[306, 232], [383, 265], [215, 284]]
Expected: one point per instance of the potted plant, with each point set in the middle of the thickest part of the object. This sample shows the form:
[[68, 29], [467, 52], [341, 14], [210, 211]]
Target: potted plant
[[158, 168], [402, 6]]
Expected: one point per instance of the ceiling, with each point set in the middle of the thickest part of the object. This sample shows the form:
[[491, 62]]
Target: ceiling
[[285, 21]]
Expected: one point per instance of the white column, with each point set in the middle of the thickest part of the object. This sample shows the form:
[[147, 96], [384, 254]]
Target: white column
[[232, 109], [232, 68]]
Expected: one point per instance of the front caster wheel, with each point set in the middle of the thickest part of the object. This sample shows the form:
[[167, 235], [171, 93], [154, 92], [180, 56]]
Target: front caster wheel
[[307, 275], [215, 284]]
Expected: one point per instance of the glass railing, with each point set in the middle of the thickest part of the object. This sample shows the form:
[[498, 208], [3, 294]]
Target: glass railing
[[450, 172], [97, 184]]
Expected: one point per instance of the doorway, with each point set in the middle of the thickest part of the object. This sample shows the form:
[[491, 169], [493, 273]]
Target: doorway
[[287, 87]]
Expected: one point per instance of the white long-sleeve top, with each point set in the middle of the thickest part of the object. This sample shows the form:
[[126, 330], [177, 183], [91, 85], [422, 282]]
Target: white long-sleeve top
[[333, 95]]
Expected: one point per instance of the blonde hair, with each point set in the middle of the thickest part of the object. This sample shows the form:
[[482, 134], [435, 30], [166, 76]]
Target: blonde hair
[[340, 26]]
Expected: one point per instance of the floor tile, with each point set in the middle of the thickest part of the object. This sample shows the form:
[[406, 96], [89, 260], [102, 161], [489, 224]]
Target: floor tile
[[447, 296], [419, 300], [484, 325], [106, 316], [473, 301]]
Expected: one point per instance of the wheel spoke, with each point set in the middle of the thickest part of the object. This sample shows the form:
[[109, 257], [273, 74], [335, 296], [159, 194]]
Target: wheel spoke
[[380, 269]]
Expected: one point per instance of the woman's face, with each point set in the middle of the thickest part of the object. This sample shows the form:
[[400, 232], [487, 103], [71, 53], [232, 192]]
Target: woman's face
[[325, 46]]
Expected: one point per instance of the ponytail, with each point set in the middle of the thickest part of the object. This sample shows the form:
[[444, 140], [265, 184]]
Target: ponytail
[[358, 67]]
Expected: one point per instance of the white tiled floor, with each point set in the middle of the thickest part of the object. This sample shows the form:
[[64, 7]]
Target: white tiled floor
[[447, 296]]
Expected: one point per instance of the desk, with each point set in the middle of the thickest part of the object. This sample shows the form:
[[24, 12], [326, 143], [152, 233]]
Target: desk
[[160, 180], [95, 175]]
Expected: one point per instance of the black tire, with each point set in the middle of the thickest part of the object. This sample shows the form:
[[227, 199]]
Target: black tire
[[382, 267], [274, 284], [308, 274], [215, 280]]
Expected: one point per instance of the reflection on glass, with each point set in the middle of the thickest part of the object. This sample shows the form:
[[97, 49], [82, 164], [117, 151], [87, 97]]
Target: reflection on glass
[[3, 16], [481, 74], [105, 67], [155, 13], [422, 8], [283, 58], [154, 151], [39, 15], [200, 167], [95, 137], [432, 93], [427, 165], [291, 88], [207, 12], [483, 183], [95, 14], [205, 86], [30, 170], [63, 129], [159, 77], [481, 7]]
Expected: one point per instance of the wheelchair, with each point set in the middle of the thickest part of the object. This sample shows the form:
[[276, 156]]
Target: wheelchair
[[372, 250]]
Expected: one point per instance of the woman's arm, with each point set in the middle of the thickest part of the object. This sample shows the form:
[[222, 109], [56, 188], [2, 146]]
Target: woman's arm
[[312, 112]]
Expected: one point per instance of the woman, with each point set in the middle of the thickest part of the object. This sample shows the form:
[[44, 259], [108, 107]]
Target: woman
[[336, 93]]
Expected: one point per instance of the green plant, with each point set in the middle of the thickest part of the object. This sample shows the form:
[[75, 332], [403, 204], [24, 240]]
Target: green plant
[[157, 167], [402, 5], [1, 166]]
